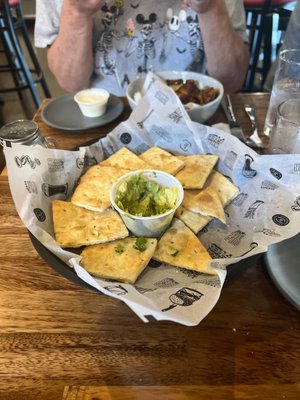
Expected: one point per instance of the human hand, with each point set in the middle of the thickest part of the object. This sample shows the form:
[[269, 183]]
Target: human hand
[[199, 6], [86, 7]]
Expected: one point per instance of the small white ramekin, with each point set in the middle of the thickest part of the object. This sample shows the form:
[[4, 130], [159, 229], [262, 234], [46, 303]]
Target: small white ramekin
[[155, 225], [92, 102]]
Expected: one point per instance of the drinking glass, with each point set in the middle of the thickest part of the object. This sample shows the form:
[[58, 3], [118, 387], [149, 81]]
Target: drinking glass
[[286, 84], [285, 135]]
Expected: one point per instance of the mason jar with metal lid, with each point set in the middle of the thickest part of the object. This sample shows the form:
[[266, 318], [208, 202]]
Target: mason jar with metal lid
[[23, 132]]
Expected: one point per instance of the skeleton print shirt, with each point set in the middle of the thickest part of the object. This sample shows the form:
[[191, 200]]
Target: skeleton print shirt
[[133, 37]]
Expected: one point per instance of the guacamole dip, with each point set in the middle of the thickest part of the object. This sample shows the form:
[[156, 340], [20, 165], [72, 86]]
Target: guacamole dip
[[145, 198]]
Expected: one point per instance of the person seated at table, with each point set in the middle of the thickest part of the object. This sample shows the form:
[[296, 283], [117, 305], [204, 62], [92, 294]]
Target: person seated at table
[[291, 40], [109, 43]]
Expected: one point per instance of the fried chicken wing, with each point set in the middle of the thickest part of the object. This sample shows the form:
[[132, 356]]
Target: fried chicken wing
[[189, 92]]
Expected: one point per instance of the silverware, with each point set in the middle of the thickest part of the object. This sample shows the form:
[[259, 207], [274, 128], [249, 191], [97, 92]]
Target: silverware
[[254, 140], [235, 128]]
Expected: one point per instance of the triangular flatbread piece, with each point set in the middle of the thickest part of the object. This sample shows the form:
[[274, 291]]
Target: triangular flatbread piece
[[118, 260], [180, 247], [196, 171], [75, 226], [194, 221], [94, 187], [227, 191], [162, 160], [208, 203], [125, 159], [188, 198]]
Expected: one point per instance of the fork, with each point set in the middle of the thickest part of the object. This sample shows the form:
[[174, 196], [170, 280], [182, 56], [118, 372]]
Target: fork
[[254, 140], [234, 127]]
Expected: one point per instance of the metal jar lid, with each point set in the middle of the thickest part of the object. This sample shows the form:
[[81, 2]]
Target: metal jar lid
[[20, 131]]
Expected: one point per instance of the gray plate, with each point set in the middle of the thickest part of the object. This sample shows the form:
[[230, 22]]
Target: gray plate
[[63, 113], [283, 265]]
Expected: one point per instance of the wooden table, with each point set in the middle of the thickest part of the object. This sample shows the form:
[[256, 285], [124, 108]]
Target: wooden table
[[69, 140], [61, 341]]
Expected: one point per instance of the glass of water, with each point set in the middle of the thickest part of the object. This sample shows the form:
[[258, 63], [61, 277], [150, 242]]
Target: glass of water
[[285, 135], [286, 84]]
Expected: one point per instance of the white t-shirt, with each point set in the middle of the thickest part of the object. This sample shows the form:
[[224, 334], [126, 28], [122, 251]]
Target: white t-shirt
[[131, 38]]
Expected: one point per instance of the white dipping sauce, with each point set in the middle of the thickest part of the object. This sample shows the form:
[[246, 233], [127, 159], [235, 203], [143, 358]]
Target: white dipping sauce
[[92, 102]]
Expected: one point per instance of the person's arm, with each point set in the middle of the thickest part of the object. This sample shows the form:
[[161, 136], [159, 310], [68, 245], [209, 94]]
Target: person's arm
[[226, 53], [70, 57]]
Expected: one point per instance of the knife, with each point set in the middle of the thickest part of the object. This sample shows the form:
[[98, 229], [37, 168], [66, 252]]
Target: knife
[[235, 128]]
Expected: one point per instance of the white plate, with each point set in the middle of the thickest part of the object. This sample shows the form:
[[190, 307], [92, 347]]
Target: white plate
[[63, 113], [283, 265]]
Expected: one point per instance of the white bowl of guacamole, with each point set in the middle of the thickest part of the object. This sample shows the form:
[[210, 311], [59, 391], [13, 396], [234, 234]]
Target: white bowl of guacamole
[[146, 201]]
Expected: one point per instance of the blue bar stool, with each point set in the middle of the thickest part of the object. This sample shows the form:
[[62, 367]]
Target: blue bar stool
[[13, 27], [257, 14], [259, 17]]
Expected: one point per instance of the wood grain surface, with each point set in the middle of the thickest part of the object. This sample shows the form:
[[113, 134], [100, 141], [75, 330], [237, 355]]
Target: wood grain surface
[[61, 341]]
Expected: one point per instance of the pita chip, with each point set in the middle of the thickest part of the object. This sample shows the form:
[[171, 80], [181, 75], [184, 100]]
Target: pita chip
[[180, 247], [196, 171], [188, 197], [208, 203], [119, 260], [162, 160], [94, 187], [227, 191], [192, 220], [125, 159], [75, 226]]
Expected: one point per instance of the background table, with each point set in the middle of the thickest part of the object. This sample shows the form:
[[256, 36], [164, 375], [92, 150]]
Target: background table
[[69, 140], [61, 341]]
